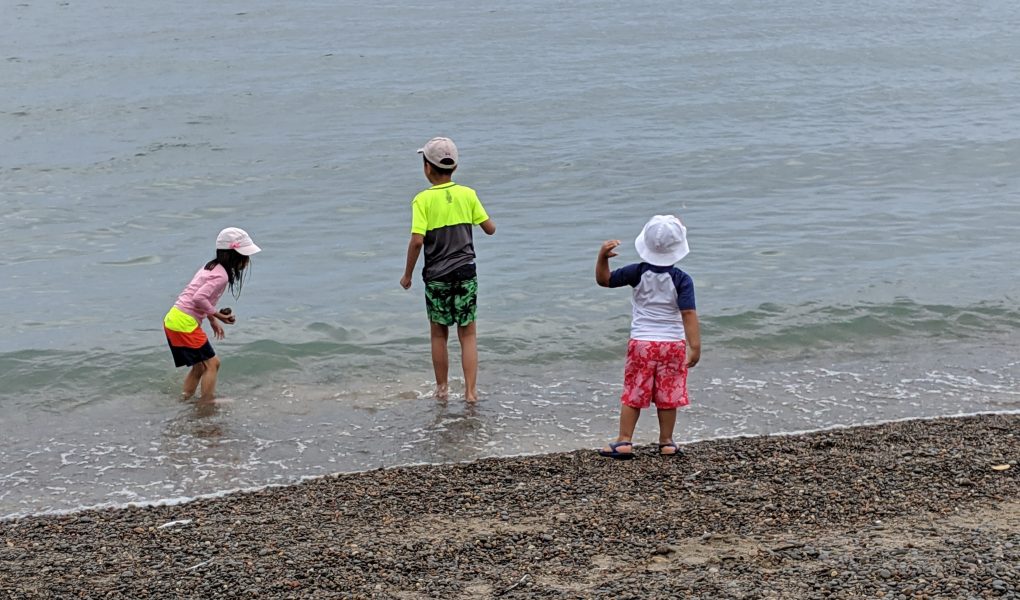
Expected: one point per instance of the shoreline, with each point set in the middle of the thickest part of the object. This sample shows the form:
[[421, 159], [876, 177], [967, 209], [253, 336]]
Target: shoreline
[[910, 507], [177, 501]]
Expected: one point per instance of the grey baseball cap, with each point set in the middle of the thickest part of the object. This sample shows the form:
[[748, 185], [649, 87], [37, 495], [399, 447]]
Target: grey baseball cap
[[440, 151]]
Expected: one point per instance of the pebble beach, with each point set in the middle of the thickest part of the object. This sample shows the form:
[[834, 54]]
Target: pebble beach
[[909, 509]]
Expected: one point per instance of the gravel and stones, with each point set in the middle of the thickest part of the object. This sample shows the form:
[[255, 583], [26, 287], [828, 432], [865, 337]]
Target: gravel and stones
[[914, 509]]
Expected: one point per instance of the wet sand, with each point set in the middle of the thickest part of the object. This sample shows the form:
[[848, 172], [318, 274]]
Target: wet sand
[[914, 509]]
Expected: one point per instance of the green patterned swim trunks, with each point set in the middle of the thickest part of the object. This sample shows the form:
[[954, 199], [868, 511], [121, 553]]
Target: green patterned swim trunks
[[452, 302]]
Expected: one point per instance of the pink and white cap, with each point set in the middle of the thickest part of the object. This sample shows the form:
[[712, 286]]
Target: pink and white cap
[[440, 151], [234, 238]]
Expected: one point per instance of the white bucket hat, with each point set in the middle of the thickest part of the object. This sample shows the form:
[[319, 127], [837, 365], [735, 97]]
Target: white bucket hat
[[440, 151], [663, 241], [233, 238]]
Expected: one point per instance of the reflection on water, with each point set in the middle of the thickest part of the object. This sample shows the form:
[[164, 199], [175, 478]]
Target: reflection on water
[[202, 443], [200, 421], [458, 431], [203, 410]]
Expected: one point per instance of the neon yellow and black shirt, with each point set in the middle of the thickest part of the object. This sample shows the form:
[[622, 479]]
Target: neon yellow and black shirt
[[445, 214]]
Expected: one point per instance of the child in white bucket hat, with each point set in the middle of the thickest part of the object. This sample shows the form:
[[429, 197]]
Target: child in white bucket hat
[[664, 337]]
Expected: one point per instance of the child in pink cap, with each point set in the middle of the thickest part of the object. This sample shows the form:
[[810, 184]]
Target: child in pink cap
[[189, 344], [664, 337]]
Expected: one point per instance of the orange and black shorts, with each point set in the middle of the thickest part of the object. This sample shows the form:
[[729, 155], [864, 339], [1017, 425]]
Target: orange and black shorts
[[188, 342]]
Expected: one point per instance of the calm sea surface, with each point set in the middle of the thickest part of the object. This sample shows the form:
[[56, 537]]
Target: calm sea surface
[[849, 174]]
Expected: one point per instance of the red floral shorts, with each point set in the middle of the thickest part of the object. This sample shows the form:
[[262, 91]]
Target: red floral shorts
[[655, 371]]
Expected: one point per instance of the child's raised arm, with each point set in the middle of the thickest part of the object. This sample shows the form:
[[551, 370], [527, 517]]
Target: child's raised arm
[[602, 262]]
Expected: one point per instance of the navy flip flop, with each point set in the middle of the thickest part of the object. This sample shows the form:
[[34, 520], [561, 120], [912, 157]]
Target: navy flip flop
[[617, 454], [676, 450]]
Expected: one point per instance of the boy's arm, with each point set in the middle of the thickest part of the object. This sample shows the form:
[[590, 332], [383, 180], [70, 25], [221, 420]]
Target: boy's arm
[[488, 226], [602, 272], [691, 329], [413, 250]]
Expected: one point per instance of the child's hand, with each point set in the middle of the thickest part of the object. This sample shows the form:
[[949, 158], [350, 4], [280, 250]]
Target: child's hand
[[217, 329], [693, 356], [228, 319], [405, 282], [607, 248]]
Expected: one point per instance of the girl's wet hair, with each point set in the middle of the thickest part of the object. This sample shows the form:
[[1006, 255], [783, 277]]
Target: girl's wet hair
[[234, 263]]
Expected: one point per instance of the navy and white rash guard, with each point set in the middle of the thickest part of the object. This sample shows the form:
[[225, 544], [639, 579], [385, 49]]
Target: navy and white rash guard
[[660, 293]]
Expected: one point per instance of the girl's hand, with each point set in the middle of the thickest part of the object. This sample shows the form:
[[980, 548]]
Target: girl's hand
[[607, 248], [228, 319], [217, 329]]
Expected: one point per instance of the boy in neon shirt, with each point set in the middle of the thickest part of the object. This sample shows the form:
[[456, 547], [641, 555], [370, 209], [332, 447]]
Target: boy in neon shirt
[[442, 221]]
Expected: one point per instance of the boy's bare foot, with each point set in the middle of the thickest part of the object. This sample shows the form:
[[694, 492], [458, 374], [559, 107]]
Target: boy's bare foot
[[470, 397], [442, 392]]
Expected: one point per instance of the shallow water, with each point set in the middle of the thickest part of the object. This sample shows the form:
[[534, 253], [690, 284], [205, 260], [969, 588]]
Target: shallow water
[[848, 175]]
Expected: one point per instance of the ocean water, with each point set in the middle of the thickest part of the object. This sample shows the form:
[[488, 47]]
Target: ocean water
[[849, 174]]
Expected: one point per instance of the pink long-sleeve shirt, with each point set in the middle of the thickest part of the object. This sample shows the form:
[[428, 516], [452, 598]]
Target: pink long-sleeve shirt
[[199, 298]]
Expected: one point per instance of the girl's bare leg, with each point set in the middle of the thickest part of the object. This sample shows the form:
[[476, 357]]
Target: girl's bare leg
[[467, 334], [212, 368], [440, 358], [191, 380]]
